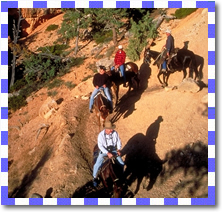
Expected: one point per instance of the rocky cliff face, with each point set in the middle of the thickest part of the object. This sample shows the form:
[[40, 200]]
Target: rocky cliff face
[[33, 17]]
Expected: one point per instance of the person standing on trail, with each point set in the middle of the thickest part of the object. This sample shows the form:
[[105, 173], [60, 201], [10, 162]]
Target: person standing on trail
[[100, 82], [109, 145], [119, 61], [169, 47]]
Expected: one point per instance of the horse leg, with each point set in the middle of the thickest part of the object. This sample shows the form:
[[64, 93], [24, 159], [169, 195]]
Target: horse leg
[[158, 76], [184, 73], [194, 68], [196, 73], [167, 75], [117, 94]]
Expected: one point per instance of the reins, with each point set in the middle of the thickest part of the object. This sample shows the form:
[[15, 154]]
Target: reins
[[102, 106]]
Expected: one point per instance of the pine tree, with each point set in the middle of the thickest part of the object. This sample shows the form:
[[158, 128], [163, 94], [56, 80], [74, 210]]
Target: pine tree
[[142, 31], [111, 19], [74, 20]]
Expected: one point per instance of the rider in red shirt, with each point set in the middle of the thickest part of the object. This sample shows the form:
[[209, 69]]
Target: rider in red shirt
[[119, 62]]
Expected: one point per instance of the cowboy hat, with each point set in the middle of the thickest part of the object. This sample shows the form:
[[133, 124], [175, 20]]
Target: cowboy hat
[[120, 46], [168, 31], [109, 125]]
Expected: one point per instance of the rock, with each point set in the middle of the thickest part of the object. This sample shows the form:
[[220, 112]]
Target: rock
[[36, 195], [205, 99], [48, 108], [189, 85], [108, 63], [29, 99]]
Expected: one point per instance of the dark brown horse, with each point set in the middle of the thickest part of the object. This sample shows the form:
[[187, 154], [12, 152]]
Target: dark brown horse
[[131, 73], [110, 174], [102, 108], [180, 60]]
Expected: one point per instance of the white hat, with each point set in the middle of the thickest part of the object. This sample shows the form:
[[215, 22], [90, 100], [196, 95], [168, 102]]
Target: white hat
[[120, 46], [168, 31]]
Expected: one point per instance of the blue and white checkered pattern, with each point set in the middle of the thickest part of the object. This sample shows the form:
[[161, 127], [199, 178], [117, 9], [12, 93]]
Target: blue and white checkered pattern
[[107, 4]]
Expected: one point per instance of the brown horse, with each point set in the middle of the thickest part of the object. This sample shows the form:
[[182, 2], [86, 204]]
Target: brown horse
[[110, 174], [131, 73], [102, 108]]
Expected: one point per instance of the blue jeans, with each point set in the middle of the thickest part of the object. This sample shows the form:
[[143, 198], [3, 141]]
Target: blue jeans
[[106, 91], [164, 65], [100, 159]]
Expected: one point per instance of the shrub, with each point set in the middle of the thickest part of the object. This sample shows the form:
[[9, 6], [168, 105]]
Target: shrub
[[52, 27], [92, 66], [16, 102], [86, 78], [102, 37], [55, 83], [77, 61], [183, 12], [56, 49], [52, 93], [28, 89], [18, 85], [70, 85]]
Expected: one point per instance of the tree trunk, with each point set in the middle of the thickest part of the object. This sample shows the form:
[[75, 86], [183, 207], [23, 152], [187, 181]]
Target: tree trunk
[[16, 31], [77, 37], [114, 36]]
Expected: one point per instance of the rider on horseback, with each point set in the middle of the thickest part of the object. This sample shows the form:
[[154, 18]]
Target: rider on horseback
[[119, 61], [168, 49], [109, 145], [100, 82]]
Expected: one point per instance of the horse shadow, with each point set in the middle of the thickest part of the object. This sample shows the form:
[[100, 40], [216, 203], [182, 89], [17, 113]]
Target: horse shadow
[[126, 104], [141, 159], [89, 191], [145, 73], [199, 62]]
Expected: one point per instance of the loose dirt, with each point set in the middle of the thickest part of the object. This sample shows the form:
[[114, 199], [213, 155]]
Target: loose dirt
[[164, 133]]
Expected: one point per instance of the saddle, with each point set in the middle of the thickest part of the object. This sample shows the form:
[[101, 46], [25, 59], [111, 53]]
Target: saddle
[[102, 93], [160, 58]]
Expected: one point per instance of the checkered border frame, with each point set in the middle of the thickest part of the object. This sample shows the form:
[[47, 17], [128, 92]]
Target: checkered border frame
[[107, 4]]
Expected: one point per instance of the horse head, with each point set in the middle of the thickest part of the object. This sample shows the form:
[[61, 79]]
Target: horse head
[[104, 112], [147, 57], [117, 190]]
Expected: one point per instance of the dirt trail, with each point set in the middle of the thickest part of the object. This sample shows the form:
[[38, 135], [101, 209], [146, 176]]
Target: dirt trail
[[155, 126]]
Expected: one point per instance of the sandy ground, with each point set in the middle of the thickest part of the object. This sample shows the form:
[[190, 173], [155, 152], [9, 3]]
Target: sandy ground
[[164, 133]]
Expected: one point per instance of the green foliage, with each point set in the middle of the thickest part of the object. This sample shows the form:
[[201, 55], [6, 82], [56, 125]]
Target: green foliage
[[93, 67], [42, 68], [73, 20], [70, 85], [54, 50], [28, 89], [55, 83], [18, 85], [183, 12], [52, 27], [86, 78], [52, 93], [141, 30], [16, 102], [77, 61], [103, 36]]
